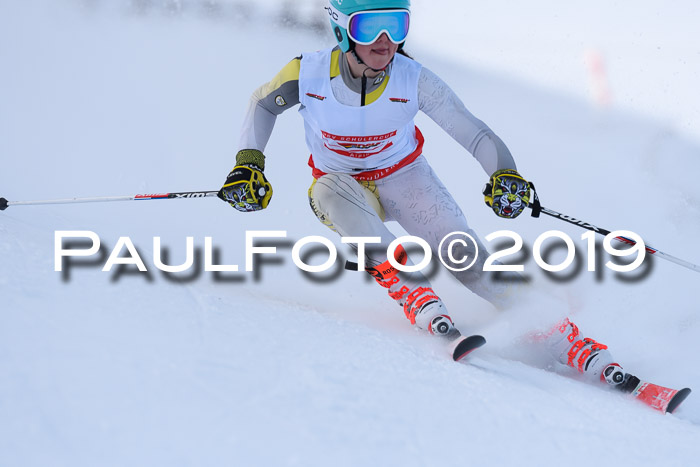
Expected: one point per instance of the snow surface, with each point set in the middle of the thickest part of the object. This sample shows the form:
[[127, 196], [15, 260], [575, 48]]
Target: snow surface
[[274, 368]]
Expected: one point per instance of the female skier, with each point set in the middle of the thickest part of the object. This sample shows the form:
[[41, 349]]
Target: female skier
[[358, 100]]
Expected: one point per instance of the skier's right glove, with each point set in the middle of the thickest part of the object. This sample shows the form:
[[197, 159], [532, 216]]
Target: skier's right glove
[[246, 188]]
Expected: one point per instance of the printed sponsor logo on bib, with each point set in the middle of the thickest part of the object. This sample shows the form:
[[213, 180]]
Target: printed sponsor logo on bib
[[316, 96], [359, 147]]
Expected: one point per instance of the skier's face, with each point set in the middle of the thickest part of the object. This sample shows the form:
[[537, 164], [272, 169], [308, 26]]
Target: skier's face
[[379, 53]]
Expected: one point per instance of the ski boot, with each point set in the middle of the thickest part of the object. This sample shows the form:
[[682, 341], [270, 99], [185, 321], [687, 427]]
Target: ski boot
[[587, 356], [425, 310], [423, 307], [596, 363]]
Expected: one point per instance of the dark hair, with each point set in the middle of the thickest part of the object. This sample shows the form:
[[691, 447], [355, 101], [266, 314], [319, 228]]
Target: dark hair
[[404, 53]]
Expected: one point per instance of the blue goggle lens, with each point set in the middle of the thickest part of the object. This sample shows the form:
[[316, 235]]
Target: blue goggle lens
[[366, 26]]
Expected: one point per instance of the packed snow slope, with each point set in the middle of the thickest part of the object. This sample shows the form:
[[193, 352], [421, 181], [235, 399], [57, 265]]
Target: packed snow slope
[[273, 367]]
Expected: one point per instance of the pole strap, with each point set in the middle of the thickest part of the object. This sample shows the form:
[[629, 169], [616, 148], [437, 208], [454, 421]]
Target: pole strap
[[535, 205]]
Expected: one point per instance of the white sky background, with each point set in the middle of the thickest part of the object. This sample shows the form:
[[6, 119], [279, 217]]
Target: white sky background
[[650, 49]]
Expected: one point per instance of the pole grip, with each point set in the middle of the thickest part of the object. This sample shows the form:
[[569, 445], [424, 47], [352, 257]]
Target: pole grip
[[3, 204]]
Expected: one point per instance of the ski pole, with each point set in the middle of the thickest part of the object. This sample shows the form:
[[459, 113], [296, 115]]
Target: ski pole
[[537, 208], [4, 203]]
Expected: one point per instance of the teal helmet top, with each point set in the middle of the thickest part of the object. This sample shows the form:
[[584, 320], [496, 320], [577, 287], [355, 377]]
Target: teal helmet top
[[340, 10]]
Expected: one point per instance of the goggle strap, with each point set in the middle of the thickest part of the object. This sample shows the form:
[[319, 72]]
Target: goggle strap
[[340, 18]]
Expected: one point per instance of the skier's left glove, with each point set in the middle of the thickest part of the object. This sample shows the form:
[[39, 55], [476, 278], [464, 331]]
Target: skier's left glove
[[507, 193], [246, 187]]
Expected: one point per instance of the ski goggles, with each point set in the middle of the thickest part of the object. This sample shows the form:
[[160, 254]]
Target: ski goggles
[[365, 27]]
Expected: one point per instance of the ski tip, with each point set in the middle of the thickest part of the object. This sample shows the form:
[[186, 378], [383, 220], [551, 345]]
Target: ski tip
[[467, 345], [677, 399]]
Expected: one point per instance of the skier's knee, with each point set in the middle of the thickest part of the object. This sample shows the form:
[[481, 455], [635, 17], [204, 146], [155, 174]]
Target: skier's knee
[[339, 198]]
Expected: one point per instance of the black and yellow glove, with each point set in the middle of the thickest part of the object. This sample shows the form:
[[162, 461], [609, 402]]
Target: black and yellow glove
[[246, 187], [507, 193]]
